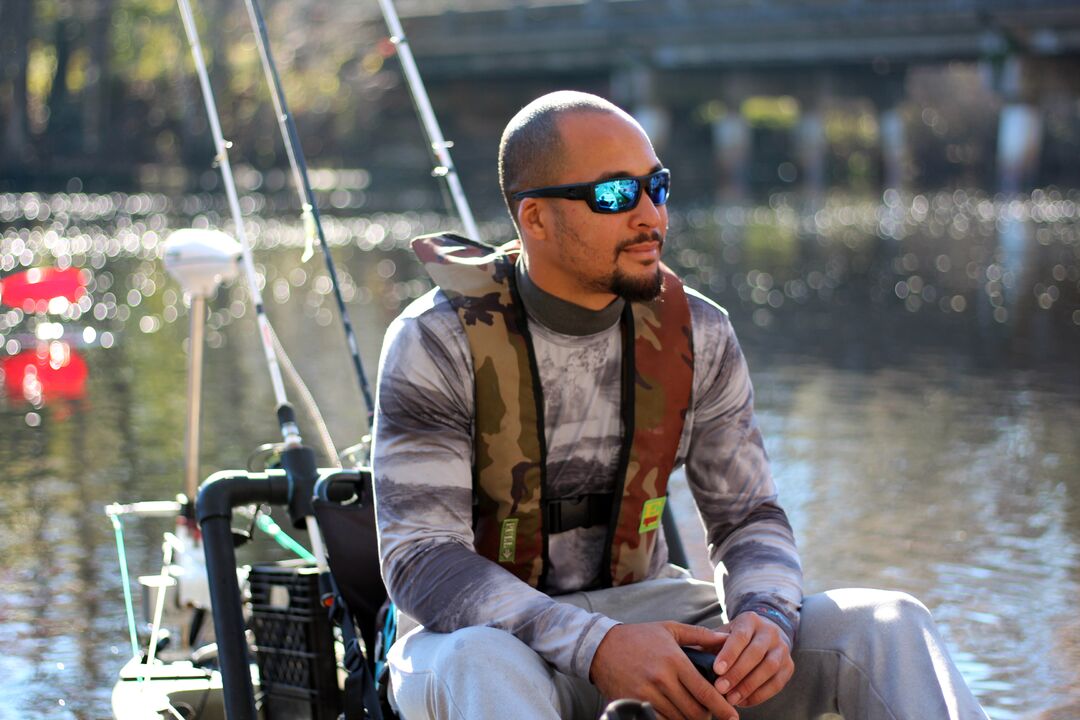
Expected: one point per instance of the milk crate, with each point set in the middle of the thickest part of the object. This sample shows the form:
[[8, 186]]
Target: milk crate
[[294, 643]]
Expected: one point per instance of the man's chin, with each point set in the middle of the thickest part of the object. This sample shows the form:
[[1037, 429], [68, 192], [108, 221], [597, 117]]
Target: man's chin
[[642, 287]]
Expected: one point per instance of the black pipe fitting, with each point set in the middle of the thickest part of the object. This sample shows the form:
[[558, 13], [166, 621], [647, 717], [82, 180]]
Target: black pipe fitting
[[302, 472], [217, 497]]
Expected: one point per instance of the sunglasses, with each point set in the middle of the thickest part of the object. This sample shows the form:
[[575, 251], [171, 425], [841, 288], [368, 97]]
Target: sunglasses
[[609, 196]]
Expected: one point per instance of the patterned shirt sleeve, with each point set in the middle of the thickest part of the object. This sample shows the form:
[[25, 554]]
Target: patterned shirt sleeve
[[751, 543], [422, 463]]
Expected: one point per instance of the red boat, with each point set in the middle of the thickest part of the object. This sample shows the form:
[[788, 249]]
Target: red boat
[[31, 290], [54, 370]]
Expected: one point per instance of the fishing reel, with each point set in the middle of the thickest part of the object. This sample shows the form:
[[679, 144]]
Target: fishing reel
[[358, 455], [265, 456]]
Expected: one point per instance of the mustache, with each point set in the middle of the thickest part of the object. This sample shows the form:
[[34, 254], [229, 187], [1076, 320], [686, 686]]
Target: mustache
[[639, 239]]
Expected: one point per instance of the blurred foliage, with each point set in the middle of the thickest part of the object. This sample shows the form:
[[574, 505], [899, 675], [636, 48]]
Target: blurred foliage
[[146, 41], [859, 128], [96, 87], [771, 112]]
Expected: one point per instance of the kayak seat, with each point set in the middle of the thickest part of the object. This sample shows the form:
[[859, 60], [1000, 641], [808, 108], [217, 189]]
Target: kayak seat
[[345, 511]]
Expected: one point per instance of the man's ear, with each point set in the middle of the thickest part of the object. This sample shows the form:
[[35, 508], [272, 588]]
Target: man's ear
[[532, 220]]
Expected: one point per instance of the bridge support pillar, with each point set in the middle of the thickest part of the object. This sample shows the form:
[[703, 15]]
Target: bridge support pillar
[[656, 121], [893, 149], [634, 89], [732, 142], [811, 145], [1020, 127], [888, 91], [812, 150], [1020, 131], [732, 137]]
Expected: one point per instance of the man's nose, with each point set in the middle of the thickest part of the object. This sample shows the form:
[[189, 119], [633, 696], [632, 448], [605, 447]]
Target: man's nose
[[648, 214]]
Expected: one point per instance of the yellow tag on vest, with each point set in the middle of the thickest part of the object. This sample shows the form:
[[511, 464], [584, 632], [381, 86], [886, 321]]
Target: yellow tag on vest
[[508, 540], [651, 514]]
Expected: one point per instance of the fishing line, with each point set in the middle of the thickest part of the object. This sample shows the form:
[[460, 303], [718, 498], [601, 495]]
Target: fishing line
[[307, 400], [309, 206], [129, 606]]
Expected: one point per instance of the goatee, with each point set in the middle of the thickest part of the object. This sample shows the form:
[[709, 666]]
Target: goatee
[[643, 288], [637, 289]]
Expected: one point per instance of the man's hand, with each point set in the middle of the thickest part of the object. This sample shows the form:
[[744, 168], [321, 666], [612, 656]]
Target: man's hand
[[755, 662], [646, 662]]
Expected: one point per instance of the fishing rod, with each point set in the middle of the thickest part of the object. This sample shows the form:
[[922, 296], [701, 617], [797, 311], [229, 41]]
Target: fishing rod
[[294, 450], [219, 494], [310, 215], [445, 169]]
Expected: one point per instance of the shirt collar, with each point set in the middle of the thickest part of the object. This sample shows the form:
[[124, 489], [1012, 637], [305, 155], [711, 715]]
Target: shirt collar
[[560, 315]]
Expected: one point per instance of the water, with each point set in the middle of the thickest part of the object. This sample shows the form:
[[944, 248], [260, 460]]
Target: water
[[916, 362]]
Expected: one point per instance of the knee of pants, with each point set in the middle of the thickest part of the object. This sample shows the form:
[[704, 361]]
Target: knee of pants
[[897, 609], [469, 673], [481, 654], [479, 648], [861, 611]]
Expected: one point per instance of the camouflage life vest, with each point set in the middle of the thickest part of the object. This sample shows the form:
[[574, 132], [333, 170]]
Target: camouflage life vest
[[509, 464]]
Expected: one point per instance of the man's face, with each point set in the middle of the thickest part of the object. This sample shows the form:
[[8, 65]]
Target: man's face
[[594, 256]]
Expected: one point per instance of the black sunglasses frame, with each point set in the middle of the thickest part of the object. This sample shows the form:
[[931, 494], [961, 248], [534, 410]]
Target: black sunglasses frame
[[587, 191]]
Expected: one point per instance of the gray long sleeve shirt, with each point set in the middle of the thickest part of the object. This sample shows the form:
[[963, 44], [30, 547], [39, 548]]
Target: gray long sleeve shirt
[[422, 462]]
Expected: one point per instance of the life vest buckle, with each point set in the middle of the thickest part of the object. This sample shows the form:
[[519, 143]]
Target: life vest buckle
[[583, 511]]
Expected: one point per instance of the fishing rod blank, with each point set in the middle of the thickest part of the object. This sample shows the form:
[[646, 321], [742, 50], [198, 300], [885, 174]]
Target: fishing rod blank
[[439, 145], [309, 207], [222, 158]]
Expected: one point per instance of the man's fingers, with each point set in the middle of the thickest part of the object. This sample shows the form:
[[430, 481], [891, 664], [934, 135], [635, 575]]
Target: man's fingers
[[696, 635], [702, 694], [684, 705], [771, 688], [737, 640], [666, 709], [765, 680], [751, 656]]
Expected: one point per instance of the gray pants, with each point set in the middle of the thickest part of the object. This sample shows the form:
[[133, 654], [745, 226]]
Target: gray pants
[[859, 654]]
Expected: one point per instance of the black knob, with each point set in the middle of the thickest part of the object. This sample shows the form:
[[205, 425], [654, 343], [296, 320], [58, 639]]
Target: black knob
[[628, 710]]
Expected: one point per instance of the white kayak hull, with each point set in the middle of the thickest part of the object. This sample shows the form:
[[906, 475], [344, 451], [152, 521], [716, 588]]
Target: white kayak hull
[[169, 690]]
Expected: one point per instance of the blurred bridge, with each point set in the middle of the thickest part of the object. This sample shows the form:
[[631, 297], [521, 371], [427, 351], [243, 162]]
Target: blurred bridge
[[666, 59], [495, 37]]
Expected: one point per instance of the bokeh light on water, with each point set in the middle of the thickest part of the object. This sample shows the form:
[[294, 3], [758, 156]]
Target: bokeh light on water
[[916, 360]]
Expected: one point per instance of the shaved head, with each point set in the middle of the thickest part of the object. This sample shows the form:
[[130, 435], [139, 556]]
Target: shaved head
[[531, 149]]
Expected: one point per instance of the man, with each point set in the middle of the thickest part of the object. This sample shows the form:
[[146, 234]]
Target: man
[[530, 410]]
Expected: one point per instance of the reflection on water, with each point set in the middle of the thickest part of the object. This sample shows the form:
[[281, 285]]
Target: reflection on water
[[916, 364], [956, 488], [959, 488]]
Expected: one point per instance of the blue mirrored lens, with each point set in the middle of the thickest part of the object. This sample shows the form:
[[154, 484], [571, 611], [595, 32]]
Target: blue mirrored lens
[[616, 195], [659, 186]]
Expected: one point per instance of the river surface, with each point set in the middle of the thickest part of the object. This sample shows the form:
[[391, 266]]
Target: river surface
[[916, 361]]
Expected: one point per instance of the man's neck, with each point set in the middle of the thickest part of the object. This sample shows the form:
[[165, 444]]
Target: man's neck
[[561, 315]]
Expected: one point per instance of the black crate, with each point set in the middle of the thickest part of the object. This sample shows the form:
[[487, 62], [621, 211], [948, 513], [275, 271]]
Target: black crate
[[294, 643]]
